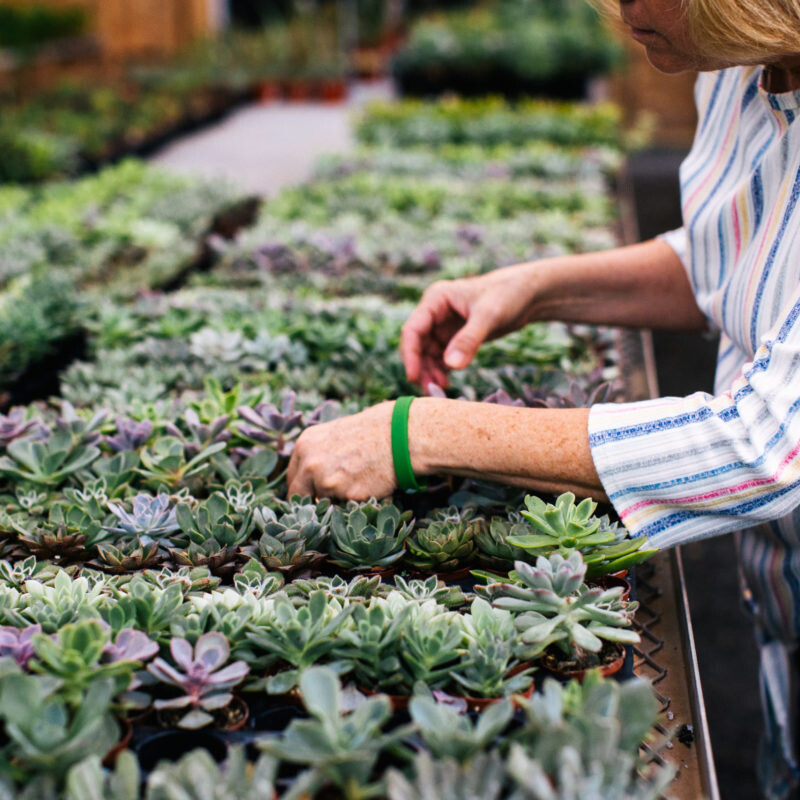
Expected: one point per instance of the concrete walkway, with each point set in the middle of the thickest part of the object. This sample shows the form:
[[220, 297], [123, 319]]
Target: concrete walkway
[[266, 147]]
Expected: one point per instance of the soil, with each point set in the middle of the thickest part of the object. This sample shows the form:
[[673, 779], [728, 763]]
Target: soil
[[610, 659], [231, 718]]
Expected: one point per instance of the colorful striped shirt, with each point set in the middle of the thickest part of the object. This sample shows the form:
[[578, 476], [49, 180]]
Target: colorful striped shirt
[[683, 468]]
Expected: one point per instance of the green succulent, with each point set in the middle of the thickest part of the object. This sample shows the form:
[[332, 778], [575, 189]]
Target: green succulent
[[360, 587], [68, 534], [164, 463], [554, 606], [307, 522], [299, 636], [58, 603], [287, 553], [146, 607], [338, 749], [363, 537], [565, 527], [89, 780], [127, 557], [431, 650], [50, 462], [196, 776], [431, 588], [492, 543], [370, 642], [444, 543]]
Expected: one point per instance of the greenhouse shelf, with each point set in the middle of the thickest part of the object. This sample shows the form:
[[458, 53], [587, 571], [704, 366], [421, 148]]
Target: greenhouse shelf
[[667, 655]]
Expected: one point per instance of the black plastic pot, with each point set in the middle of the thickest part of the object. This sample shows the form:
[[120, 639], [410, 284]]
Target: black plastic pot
[[276, 719], [172, 744]]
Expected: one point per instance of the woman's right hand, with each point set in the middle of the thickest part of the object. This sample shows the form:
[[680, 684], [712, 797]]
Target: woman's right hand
[[454, 318]]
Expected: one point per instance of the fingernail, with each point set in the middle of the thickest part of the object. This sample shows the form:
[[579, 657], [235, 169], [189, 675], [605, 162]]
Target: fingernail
[[455, 359]]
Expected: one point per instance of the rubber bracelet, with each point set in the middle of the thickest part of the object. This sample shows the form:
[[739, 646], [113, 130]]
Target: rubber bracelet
[[401, 456]]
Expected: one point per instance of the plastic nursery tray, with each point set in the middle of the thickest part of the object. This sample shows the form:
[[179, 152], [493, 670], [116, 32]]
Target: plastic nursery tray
[[666, 655]]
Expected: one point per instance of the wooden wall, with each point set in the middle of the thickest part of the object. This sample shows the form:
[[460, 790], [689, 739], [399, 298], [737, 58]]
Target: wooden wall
[[133, 28]]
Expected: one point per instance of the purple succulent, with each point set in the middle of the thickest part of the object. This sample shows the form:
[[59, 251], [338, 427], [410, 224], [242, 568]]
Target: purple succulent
[[131, 434], [130, 645], [14, 425], [204, 681], [18, 643], [268, 425], [502, 398], [83, 432], [324, 412], [202, 435]]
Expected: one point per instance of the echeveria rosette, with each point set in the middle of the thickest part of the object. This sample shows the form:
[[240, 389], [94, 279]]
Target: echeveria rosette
[[273, 426], [17, 643], [205, 682], [131, 434], [15, 425], [151, 518]]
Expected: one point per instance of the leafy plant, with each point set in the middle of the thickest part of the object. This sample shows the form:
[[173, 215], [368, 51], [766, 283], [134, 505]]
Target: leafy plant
[[299, 636], [445, 542], [555, 607], [339, 749], [205, 682], [368, 535]]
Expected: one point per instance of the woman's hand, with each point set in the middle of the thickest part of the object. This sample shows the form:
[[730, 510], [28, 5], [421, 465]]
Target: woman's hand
[[348, 458], [454, 318]]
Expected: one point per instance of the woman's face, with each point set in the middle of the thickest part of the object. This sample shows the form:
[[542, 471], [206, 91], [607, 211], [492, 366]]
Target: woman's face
[[662, 26]]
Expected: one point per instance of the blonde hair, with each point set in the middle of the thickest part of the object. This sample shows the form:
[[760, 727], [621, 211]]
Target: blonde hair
[[740, 31], [746, 31]]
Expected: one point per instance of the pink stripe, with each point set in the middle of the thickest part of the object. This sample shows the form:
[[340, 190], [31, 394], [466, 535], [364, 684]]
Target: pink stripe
[[716, 169], [737, 233], [728, 490]]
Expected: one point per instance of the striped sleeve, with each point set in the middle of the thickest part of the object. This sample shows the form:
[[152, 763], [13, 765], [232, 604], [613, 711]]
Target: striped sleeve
[[678, 241], [679, 469]]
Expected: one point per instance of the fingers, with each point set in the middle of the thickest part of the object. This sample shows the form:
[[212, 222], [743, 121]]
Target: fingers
[[463, 347], [427, 332]]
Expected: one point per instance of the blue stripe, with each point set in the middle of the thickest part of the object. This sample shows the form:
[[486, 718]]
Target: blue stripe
[[717, 471], [642, 429], [771, 258]]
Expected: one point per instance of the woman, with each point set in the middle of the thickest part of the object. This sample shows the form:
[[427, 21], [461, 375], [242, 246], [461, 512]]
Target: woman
[[676, 469]]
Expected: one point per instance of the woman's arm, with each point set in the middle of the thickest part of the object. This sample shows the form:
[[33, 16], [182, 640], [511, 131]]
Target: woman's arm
[[644, 285], [540, 449]]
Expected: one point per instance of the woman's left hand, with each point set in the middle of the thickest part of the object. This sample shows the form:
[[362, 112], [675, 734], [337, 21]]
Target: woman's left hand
[[348, 458]]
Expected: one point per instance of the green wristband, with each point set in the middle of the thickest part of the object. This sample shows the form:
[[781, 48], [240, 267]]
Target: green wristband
[[401, 456]]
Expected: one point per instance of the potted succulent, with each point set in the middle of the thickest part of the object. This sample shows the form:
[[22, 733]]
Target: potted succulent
[[201, 674], [572, 627]]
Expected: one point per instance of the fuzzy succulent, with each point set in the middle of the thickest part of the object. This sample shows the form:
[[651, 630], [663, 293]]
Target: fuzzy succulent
[[554, 606], [205, 680], [444, 543], [366, 535]]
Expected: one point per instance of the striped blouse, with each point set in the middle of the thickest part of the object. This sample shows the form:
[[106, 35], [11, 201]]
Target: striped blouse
[[682, 468]]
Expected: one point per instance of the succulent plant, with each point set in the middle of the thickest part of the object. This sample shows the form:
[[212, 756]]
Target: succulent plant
[[151, 518], [69, 534], [202, 435], [300, 636], [487, 669], [164, 463], [16, 424], [445, 542], [131, 434], [146, 607], [431, 588], [73, 655], [125, 557], [49, 462], [340, 750], [266, 424], [448, 733], [430, 651], [89, 780], [371, 641], [205, 681], [48, 736], [366, 535], [555, 607], [361, 587], [481, 778], [288, 554], [565, 526], [17, 643], [196, 776], [492, 540]]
